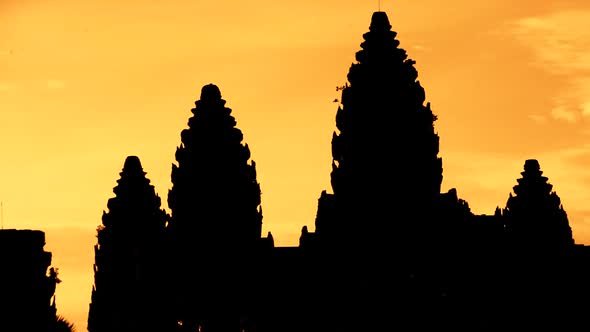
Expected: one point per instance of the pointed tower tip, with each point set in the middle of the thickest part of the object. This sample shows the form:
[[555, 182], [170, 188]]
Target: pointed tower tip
[[210, 92], [532, 165], [380, 21], [531, 168], [132, 164]]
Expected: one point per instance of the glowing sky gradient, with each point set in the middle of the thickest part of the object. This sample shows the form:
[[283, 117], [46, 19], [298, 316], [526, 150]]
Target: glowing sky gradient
[[83, 84]]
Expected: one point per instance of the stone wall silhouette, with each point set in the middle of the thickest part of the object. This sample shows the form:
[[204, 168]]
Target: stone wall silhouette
[[27, 283]]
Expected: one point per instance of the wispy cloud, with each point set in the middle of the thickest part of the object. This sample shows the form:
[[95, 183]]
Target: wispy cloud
[[421, 48], [586, 109], [51, 84], [56, 84], [562, 113], [568, 172], [5, 86], [540, 119], [560, 43]]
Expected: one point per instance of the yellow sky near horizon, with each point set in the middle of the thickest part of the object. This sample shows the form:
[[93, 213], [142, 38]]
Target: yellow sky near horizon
[[83, 84]]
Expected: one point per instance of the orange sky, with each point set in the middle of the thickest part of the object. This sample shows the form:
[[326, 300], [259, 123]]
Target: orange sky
[[83, 84]]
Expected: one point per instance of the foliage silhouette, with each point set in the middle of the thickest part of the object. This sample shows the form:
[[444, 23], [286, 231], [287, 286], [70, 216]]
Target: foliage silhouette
[[63, 325]]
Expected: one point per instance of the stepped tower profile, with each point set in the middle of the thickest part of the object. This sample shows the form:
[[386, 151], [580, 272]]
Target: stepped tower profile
[[128, 293], [385, 151], [216, 217], [534, 216]]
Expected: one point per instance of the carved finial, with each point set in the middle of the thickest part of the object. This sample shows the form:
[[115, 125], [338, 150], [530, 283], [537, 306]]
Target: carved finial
[[380, 22], [532, 165], [132, 164], [210, 92]]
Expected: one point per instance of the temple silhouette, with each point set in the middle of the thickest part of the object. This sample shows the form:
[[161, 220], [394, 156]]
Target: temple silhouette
[[388, 250], [27, 284]]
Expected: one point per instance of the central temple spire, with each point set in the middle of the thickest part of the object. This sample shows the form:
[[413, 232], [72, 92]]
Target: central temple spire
[[385, 152], [380, 21]]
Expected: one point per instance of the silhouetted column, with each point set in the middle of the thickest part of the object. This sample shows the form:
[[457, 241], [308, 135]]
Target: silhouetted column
[[535, 218], [216, 217], [26, 285], [130, 289], [386, 170], [386, 177], [538, 261]]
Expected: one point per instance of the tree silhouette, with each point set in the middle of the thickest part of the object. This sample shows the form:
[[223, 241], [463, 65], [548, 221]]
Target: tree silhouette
[[216, 217], [128, 292], [63, 325]]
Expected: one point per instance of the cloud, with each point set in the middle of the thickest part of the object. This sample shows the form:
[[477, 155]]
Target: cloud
[[5, 86], [586, 108], [560, 43], [540, 119], [568, 170], [51, 84], [421, 48], [562, 113], [56, 84]]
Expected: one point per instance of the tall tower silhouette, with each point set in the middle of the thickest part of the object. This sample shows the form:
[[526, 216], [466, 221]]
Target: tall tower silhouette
[[386, 178], [216, 216], [385, 153], [535, 218], [129, 293], [539, 254]]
